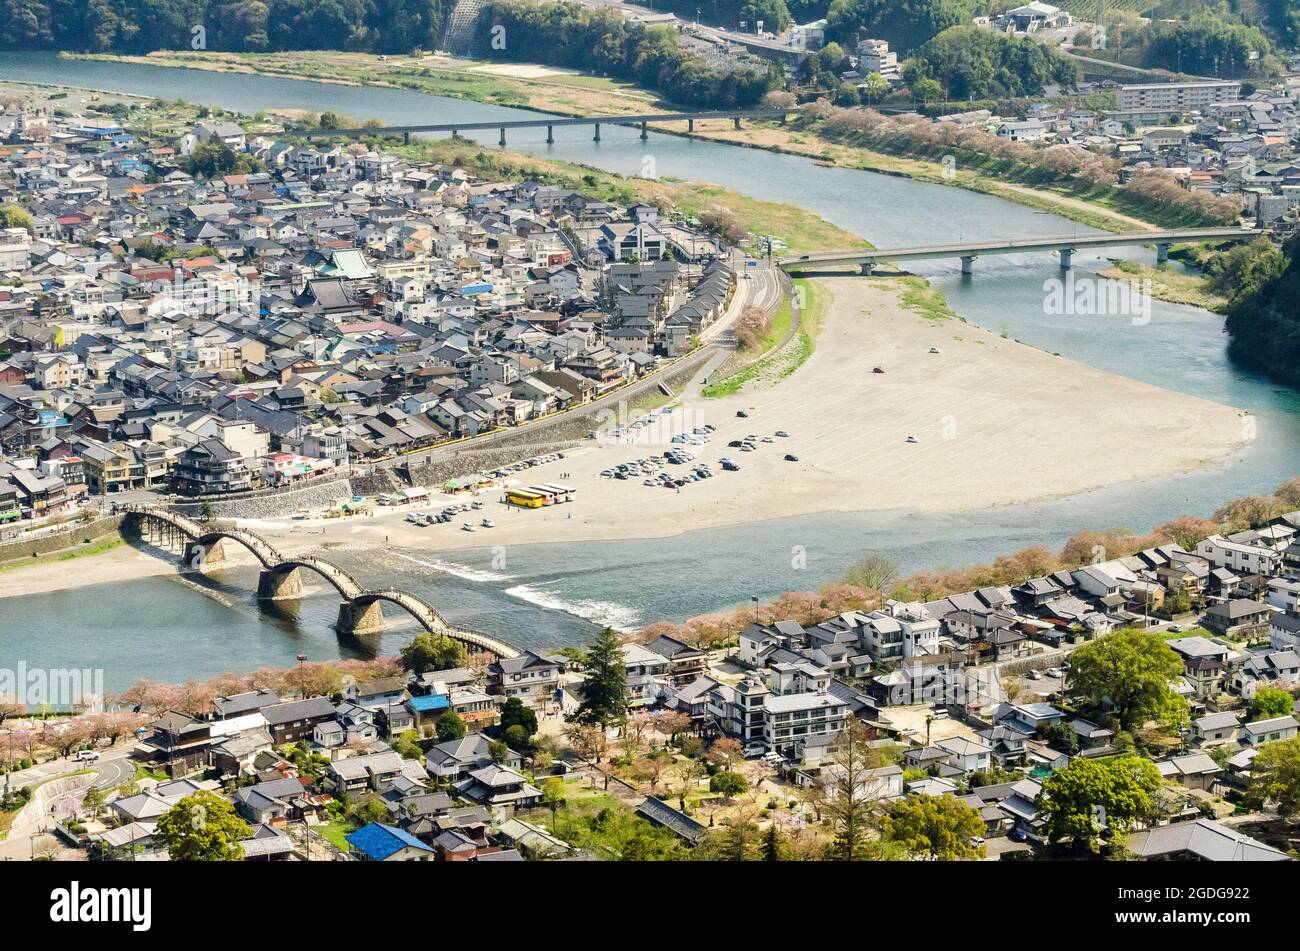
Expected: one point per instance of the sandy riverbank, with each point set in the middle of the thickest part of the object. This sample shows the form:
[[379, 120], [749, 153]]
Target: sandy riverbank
[[997, 423]]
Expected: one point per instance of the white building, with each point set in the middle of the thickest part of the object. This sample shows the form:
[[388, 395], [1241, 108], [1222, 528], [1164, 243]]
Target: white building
[[1234, 556], [1177, 97]]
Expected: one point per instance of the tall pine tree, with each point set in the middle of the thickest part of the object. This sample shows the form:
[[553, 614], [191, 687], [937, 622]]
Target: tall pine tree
[[604, 688]]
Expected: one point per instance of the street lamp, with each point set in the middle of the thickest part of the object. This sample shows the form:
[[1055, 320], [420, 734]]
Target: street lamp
[[302, 676]]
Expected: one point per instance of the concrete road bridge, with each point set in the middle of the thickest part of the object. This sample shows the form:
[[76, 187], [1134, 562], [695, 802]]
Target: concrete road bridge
[[1066, 245], [550, 123], [281, 577]]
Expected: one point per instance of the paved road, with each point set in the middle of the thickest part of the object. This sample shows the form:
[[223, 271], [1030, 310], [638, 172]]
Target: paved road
[[113, 764]]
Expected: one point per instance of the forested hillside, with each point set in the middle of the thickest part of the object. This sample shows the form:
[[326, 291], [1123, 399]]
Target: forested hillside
[[601, 41], [1264, 315], [138, 26]]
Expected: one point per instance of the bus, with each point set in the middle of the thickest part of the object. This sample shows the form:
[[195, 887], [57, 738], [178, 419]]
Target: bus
[[554, 493], [525, 498]]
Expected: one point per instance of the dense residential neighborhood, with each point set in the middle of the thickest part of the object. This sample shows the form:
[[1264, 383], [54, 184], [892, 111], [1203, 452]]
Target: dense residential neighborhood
[[215, 336], [984, 699]]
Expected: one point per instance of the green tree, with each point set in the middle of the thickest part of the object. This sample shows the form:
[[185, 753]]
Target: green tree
[[517, 739], [202, 828], [553, 797], [738, 841], [775, 848], [875, 87], [728, 784], [11, 216], [407, 745], [1088, 795], [428, 652], [515, 713], [1270, 702], [1275, 777], [851, 792], [450, 726], [927, 90], [936, 827], [1128, 671], [214, 158], [604, 687]]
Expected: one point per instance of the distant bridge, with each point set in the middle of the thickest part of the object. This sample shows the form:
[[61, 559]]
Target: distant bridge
[[281, 580], [550, 124], [867, 259]]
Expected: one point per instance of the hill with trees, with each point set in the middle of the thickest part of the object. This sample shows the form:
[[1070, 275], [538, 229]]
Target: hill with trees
[[970, 63], [603, 42], [140, 26], [1264, 312]]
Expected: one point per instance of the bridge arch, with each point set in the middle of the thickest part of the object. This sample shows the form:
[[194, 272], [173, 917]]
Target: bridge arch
[[363, 616], [359, 611]]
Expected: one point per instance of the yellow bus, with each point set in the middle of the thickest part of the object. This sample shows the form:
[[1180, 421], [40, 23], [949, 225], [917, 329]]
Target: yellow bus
[[527, 499]]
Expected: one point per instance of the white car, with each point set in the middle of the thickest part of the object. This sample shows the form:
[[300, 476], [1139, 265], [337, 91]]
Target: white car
[[87, 756]]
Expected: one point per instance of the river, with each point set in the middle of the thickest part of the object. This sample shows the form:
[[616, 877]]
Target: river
[[559, 594]]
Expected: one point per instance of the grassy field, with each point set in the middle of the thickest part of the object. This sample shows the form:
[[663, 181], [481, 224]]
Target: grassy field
[[776, 364], [94, 548], [922, 298], [1170, 284]]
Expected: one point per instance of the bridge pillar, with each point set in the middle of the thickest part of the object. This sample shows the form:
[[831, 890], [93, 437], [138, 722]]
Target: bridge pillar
[[1067, 258], [502, 140], [550, 135], [597, 136], [867, 268], [197, 556], [279, 584], [690, 125], [363, 619], [737, 121], [644, 134], [406, 138], [1162, 253], [968, 264]]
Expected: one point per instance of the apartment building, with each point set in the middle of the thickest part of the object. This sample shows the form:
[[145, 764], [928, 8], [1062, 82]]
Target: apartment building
[[1177, 97]]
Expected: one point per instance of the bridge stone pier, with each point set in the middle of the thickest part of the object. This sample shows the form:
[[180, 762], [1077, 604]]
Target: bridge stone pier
[[968, 264], [360, 618], [1162, 252], [281, 583], [1067, 258], [281, 577], [198, 555]]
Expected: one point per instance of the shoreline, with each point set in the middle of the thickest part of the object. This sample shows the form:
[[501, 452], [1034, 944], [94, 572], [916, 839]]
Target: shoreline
[[1033, 408], [915, 169]]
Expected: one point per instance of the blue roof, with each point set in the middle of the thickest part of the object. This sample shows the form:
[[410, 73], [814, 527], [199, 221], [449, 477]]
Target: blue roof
[[379, 841], [434, 701]]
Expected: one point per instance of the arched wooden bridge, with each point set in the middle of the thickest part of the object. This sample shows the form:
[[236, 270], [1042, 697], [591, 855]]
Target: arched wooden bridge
[[359, 608]]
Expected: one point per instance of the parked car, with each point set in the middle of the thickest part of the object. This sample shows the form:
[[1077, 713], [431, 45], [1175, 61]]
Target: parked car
[[791, 457]]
